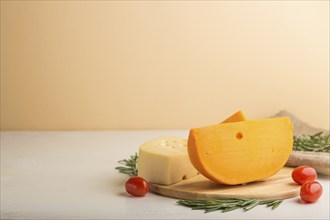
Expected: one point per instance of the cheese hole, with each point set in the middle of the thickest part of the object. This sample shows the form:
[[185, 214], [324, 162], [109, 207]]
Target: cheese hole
[[184, 177], [239, 135]]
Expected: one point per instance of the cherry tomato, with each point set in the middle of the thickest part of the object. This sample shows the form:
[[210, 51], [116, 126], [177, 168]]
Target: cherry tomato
[[311, 191], [303, 174], [137, 186]]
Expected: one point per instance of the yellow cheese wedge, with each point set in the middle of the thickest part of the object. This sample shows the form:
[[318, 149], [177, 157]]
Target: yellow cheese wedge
[[165, 160], [241, 152]]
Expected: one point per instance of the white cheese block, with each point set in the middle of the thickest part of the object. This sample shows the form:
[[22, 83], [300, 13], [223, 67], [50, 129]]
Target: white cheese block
[[165, 160]]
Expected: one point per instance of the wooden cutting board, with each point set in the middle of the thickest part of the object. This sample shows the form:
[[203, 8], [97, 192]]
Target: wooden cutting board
[[278, 186]]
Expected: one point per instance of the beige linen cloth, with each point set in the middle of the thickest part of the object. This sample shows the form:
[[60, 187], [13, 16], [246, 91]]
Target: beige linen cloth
[[320, 161]]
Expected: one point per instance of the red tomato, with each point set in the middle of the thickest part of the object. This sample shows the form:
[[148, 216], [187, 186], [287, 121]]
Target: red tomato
[[303, 174], [310, 191], [137, 186]]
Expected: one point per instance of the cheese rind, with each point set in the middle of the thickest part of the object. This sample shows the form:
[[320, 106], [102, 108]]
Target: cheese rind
[[165, 160]]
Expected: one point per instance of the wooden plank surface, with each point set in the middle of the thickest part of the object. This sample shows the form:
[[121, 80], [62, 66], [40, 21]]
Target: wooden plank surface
[[199, 187]]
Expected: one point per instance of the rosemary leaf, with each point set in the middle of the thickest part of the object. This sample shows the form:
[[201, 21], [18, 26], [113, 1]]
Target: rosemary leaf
[[230, 208], [251, 206], [277, 204], [247, 202], [271, 203], [212, 209], [267, 202]]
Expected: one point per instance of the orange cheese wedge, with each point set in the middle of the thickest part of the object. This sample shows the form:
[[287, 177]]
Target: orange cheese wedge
[[238, 116], [241, 152]]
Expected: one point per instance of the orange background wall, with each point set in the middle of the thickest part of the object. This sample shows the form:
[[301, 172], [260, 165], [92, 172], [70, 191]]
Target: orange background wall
[[161, 65]]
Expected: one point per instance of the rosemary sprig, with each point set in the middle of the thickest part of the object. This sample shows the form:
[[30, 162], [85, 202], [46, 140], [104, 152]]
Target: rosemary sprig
[[226, 205], [318, 142], [130, 165]]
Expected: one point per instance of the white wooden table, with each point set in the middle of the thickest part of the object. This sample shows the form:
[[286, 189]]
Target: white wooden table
[[62, 175]]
